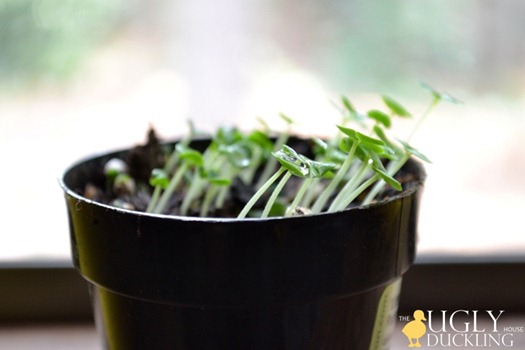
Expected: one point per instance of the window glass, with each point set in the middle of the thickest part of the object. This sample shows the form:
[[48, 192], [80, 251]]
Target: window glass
[[81, 77]]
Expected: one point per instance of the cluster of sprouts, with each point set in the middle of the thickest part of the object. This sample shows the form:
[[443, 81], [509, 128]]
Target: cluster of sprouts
[[358, 162]]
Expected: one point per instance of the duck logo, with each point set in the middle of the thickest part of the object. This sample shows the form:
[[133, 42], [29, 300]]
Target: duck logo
[[415, 329]]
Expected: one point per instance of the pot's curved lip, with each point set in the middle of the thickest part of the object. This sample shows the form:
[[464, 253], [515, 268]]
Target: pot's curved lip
[[415, 185], [73, 194]]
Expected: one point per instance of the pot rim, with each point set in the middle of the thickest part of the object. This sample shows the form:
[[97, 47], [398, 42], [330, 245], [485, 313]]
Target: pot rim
[[413, 186]]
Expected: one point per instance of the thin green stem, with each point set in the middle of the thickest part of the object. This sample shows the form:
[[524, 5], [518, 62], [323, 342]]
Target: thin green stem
[[221, 197], [430, 108], [392, 169], [312, 190], [231, 173], [154, 199], [350, 186], [194, 190], [208, 198], [272, 161], [259, 193], [248, 175], [325, 195], [357, 192], [299, 196], [163, 201], [275, 194], [174, 156], [197, 185]]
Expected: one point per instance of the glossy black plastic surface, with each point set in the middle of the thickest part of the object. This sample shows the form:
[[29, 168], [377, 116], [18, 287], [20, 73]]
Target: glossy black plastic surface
[[336, 324]]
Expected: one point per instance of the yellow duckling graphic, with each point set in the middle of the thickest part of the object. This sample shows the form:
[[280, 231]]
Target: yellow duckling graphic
[[415, 329]]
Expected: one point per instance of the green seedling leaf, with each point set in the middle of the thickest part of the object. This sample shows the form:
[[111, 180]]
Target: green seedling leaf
[[215, 177], [189, 155], [292, 161], [449, 98], [123, 178], [363, 152], [380, 117], [260, 139], [319, 169], [353, 113], [263, 123], [346, 144], [348, 105], [203, 172], [387, 178], [436, 94], [392, 148], [328, 175], [369, 140], [439, 96], [228, 136], [334, 155], [351, 133], [371, 144], [220, 181], [286, 118], [237, 154], [159, 178], [320, 146], [124, 183], [379, 168], [414, 152], [395, 107]]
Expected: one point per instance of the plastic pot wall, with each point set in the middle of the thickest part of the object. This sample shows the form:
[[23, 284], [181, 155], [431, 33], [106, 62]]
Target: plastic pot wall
[[328, 281]]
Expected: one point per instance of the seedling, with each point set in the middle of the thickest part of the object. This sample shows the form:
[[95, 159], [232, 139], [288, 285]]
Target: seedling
[[189, 158], [292, 163], [359, 162]]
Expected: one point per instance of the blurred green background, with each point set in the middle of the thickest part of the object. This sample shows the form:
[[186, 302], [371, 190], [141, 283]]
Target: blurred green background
[[46, 41], [356, 45], [80, 77]]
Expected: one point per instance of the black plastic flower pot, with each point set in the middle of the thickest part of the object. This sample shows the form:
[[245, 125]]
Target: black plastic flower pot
[[327, 281]]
